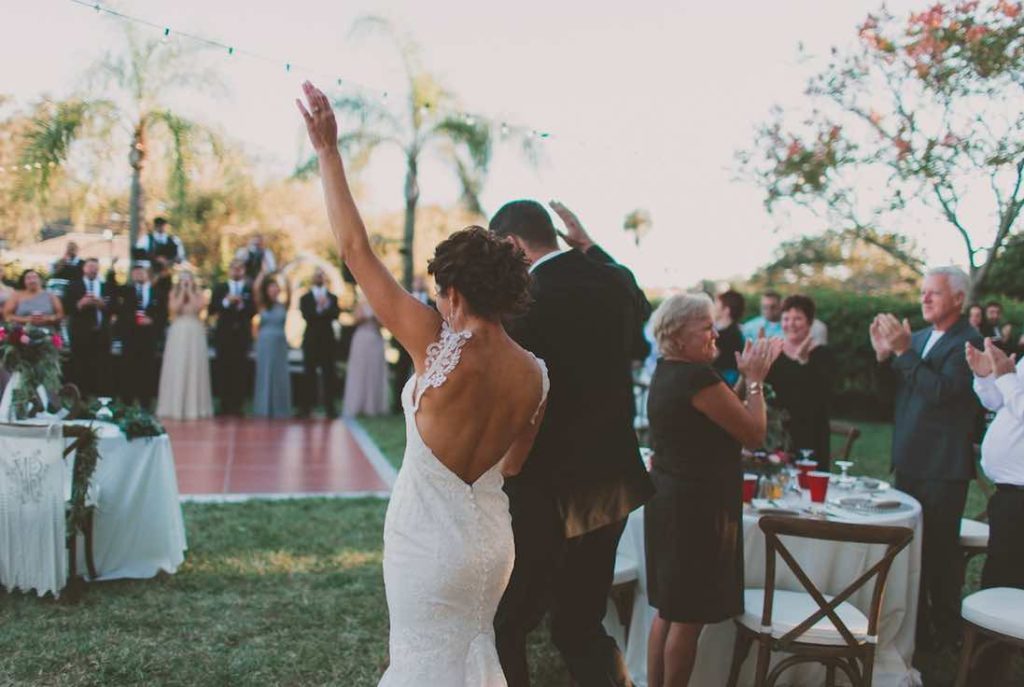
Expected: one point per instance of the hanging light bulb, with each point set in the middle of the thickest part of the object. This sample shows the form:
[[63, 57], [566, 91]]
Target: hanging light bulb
[[504, 129], [288, 67], [470, 120], [167, 34], [231, 51]]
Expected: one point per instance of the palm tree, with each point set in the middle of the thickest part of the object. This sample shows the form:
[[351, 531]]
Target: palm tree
[[423, 123], [136, 83]]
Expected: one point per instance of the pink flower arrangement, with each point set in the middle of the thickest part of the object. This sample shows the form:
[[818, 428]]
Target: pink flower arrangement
[[57, 341]]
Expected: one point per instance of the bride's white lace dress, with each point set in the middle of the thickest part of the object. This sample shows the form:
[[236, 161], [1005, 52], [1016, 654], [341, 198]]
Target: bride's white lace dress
[[448, 554]]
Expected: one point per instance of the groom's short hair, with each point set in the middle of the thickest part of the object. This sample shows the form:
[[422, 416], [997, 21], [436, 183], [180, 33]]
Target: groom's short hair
[[528, 220]]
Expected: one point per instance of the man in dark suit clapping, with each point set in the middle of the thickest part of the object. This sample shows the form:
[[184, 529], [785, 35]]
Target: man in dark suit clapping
[[319, 344], [143, 318], [584, 474], [232, 303], [932, 442], [88, 301]]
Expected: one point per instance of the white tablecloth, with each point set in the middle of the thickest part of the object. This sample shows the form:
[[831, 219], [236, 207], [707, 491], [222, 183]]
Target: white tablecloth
[[138, 529], [831, 565]]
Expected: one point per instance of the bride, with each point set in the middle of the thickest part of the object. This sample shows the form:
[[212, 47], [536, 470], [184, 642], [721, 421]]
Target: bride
[[472, 411]]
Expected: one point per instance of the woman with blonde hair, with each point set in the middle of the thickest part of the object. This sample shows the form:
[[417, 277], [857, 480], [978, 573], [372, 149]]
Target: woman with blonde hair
[[185, 374], [693, 525]]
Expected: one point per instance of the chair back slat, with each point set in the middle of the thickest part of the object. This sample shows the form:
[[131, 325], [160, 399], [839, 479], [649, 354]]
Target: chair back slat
[[895, 539]]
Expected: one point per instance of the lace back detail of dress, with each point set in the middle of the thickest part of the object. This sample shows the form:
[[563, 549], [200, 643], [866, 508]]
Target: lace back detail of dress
[[443, 356]]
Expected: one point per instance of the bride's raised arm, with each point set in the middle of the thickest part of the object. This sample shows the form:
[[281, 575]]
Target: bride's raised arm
[[414, 324]]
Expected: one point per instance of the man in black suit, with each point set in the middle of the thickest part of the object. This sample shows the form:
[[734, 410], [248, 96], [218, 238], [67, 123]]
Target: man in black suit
[[319, 344], [232, 302], [932, 451], [143, 317], [69, 266], [88, 302], [584, 474]]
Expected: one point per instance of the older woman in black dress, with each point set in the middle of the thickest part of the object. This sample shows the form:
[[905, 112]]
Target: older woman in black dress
[[693, 524], [802, 379]]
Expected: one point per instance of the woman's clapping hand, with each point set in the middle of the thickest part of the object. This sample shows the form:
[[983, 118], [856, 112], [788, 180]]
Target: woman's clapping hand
[[757, 358]]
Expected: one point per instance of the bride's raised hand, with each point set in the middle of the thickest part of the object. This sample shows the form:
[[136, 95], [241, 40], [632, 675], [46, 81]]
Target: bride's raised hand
[[321, 125]]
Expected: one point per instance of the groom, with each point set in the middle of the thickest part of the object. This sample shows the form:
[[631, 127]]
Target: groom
[[584, 474]]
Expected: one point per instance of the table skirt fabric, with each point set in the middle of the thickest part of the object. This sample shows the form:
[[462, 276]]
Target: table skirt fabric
[[138, 529]]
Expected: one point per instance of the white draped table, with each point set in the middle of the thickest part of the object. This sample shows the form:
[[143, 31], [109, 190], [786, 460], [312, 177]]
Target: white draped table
[[138, 529], [831, 565]]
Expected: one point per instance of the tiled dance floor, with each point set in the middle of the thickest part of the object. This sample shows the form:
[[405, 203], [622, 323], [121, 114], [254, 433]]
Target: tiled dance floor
[[243, 456]]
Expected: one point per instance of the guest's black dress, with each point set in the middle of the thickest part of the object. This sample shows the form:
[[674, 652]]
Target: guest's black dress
[[693, 526], [805, 391]]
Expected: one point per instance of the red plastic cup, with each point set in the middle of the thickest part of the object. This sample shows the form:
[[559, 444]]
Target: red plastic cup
[[817, 482], [749, 487], [805, 466]]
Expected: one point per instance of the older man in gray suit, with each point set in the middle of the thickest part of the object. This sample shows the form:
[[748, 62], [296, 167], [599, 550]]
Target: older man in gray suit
[[932, 451]]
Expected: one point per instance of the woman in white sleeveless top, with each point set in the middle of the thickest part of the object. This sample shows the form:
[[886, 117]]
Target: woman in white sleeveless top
[[472, 410], [185, 372]]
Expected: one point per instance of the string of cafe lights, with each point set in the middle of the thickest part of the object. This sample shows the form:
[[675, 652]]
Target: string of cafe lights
[[232, 50]]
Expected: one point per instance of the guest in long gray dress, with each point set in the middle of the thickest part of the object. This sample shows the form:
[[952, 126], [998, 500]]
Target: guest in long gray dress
[[273, 395], [366, 375]]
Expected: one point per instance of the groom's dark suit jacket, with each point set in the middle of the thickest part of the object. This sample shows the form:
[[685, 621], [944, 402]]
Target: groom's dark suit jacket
[[584, 323], [936, 407]]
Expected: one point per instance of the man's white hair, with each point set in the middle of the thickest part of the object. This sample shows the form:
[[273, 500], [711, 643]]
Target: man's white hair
[[674, 314], [958, 280]]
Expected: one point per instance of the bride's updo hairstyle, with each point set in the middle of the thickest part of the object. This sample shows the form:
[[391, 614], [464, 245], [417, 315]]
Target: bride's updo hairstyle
[[490, 273]]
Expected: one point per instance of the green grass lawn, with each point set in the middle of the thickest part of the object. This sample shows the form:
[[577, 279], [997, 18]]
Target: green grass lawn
[[271, 593]]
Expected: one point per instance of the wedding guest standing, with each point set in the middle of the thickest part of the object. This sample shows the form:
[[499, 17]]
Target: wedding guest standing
[[88, 304], [1000, 386], [803, 378], [234, 306], [728, 313], [584, 474], [185, 375], [143, 319], [366, 375], [320, 309], [257, 258], [932, 441], [403, 368], [976, 317], [272, 396], [32, 304], [159, 246], [770, 319], [693, 526], [69, 267]]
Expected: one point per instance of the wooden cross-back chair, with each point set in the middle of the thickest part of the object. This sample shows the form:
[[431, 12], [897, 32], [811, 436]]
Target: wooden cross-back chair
[[847, 642]]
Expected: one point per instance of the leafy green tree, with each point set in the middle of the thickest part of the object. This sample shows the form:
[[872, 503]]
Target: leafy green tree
[[422, 123], [136, 84], [924, 113]]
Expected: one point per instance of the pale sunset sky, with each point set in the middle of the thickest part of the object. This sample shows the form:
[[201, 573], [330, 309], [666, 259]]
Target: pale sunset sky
[[646, 102]]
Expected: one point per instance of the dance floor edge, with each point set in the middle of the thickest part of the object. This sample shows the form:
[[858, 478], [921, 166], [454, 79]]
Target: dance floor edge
[[231, 458]]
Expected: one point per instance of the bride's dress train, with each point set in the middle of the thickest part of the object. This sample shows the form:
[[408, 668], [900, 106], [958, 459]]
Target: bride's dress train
[[448, 554]]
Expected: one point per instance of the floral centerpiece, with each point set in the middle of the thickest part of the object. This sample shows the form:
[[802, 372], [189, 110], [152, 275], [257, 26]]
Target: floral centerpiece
[[32, 356]]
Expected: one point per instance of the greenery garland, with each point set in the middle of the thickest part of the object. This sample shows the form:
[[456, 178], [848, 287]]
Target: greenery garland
[[133, 421], [87, 455], [34, 353]]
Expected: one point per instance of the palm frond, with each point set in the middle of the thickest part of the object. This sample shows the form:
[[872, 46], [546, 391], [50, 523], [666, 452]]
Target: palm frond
[[49, 139], [475, 139]]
